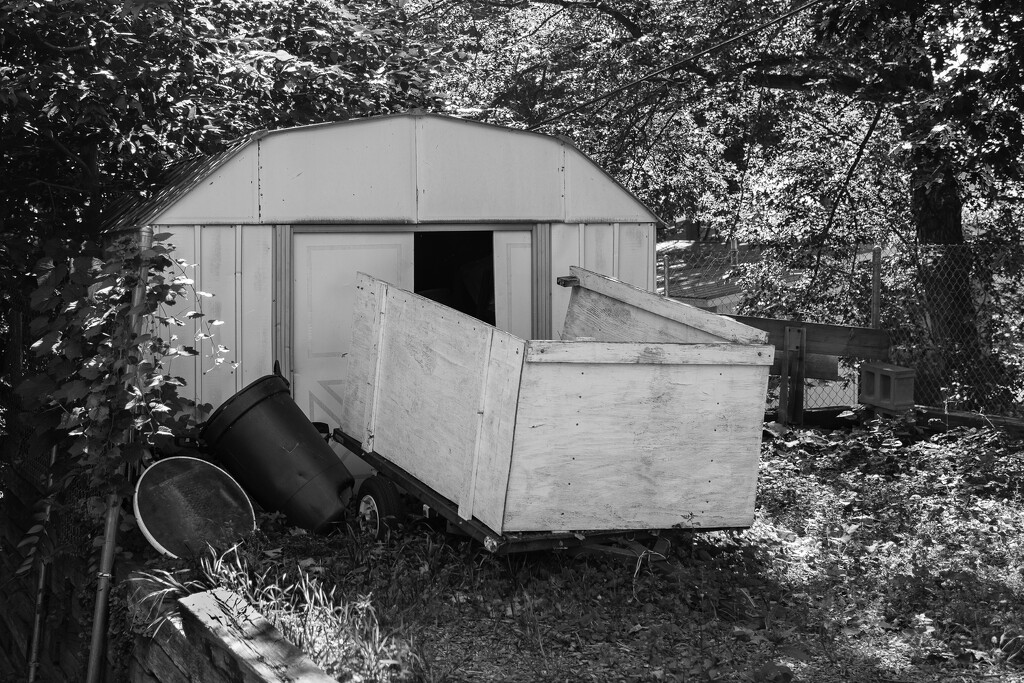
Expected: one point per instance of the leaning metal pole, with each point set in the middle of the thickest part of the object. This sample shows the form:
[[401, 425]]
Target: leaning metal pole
[[105, 574], [37, 621]]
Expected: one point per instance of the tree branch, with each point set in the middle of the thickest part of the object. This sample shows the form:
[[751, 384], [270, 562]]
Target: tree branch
[[842, 192], [631, 26], [58, 48]]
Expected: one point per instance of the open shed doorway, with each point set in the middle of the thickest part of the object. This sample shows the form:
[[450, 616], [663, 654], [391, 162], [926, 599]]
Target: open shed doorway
[[457, 270]]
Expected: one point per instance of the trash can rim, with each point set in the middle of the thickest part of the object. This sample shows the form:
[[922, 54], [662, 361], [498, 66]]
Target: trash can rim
[[229, 412]]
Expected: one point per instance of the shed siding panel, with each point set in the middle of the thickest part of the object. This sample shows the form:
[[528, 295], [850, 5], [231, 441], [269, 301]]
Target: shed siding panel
[[636, 254], [513, 282], [255, 346], [471, 172], [599, 248], [565, 252], [593, 197], [183, 239], [362, 171], [218, 265], [230, 195], [623, 251], [635, 446]]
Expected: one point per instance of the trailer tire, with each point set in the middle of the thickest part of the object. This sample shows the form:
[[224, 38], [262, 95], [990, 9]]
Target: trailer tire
[[378, 508]]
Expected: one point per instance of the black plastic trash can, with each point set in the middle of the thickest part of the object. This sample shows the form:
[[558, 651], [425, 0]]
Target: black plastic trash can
[[266, 442]]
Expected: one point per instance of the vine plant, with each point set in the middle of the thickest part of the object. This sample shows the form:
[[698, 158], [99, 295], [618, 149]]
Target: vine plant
[[104, 400]]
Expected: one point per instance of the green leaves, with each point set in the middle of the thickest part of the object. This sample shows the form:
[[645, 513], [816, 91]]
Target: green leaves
[[104, 396]]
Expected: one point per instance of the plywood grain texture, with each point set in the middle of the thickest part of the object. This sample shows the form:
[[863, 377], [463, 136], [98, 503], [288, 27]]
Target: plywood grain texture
[[608, 446], [643, 353], [428, 390], [610, 310], [493, 456], [559, 436]]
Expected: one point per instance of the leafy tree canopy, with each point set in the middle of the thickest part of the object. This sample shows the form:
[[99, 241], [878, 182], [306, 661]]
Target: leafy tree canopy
[[946, 78], [97, 96]]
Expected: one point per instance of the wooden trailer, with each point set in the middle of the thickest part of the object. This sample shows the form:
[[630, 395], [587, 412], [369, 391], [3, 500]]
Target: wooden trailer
[[646, 415]]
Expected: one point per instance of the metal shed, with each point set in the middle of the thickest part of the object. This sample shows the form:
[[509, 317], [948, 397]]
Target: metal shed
[[476, 216]]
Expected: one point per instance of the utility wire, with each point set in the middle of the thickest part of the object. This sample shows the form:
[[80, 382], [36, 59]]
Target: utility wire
[[675, 65]]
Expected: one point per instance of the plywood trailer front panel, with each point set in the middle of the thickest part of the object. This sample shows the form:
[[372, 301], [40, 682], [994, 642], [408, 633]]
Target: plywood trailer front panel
[[635, 444]]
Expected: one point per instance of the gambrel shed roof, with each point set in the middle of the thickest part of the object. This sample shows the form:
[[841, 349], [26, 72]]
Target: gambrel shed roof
[[397, 169]]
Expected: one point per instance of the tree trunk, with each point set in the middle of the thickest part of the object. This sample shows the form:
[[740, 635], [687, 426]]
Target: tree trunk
[[953, 346]]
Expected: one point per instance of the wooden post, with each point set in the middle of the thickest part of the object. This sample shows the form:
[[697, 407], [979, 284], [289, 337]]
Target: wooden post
[[791, 389], [664, 264], [876, 286]]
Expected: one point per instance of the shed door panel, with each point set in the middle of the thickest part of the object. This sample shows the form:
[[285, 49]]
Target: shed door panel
[[513, 282], [324, 267]]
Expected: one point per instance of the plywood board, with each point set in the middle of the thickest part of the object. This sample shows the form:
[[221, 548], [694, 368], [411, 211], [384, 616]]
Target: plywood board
[[428, 390], [493, 457], [623, 298], [650, 354], [357, 387], [595, 316], [635, 446]]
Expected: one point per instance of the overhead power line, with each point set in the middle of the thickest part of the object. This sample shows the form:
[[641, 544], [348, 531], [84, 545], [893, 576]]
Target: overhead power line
[[675, 65]]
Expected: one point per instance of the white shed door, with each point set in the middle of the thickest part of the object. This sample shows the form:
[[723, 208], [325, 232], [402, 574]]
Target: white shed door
[[513, 282], [324, 267]]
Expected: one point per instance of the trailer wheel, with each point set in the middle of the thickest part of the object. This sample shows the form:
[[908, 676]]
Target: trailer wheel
[[380, 505]]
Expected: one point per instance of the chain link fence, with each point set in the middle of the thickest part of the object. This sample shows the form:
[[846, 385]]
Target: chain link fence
[[954, 313]]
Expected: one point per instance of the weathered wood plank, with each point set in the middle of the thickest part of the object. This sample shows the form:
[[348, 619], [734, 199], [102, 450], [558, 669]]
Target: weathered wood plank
[[816, 366], [494, 458], [175, 654], [647, 353], [596, 317], [627, 303], [376, 355], [635, 447], [150, 662], [469, 478], [241, 641], [829, 340]]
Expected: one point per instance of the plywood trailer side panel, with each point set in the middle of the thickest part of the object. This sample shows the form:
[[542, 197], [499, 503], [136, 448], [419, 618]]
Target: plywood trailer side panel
[[486, 481], [434, 391], [635, 446]]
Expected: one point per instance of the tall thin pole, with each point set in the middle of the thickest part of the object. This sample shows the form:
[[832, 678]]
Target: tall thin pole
[[105, 574], [876, 286]]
